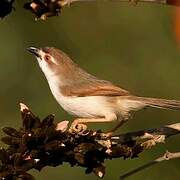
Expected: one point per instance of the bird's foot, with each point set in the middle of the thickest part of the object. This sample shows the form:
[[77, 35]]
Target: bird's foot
[[78, 128]]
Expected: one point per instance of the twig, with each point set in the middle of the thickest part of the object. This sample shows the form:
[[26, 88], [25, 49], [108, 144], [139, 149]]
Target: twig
[[164, 2], [167, 156], [54, 7], [150, 137], [47, 8]]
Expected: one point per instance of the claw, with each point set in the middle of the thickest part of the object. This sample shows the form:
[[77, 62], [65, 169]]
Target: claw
[[77, 128]]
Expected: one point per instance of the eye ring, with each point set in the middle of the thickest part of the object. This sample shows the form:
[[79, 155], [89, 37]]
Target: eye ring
[[47, 58]]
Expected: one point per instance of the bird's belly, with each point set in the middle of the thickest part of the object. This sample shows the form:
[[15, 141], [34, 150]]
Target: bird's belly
[[92, 106]]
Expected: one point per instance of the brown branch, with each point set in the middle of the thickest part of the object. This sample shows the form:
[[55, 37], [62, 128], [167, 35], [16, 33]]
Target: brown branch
[[150, 137], [167, 156], [43, 143], [163, 2]]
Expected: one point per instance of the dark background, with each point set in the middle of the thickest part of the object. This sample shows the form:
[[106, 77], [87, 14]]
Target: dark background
[[133, 46]]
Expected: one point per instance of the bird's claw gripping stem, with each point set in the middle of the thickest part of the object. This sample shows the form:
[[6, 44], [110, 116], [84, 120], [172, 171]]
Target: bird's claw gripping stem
[[78, 128]]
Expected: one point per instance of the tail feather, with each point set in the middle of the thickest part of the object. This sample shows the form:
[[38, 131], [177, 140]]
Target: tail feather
[[158, 103]]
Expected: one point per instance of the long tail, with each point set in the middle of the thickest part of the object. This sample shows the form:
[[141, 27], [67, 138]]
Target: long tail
[[155, 102]]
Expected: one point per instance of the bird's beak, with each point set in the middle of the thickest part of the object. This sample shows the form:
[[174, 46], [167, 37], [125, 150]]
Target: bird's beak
[[35, 51]]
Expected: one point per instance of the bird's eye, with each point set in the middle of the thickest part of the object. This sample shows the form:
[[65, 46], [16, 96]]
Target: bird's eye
[[47, 58]]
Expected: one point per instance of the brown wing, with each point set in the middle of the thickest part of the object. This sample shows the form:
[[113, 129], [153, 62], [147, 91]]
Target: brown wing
[[95, 88]]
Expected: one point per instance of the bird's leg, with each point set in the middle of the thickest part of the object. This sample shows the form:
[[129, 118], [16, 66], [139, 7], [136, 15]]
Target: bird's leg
[[65, 2], [134, 2], [79, 126], [111, 131], [121, 121]]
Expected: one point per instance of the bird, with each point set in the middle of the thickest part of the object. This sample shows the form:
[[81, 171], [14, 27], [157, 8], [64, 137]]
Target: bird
[[87, 97]]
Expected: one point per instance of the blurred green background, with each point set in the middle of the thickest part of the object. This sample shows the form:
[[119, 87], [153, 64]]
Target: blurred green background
[[133, 46]]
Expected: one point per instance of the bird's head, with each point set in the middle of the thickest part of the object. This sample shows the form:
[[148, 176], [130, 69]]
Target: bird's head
[[53, 61]]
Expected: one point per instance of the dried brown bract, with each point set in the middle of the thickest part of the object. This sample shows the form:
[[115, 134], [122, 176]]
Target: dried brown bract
[[6, 7], [44, 8]]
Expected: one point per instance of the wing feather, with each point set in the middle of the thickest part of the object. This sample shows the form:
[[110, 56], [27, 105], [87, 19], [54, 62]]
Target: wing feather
[[94, 88]]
